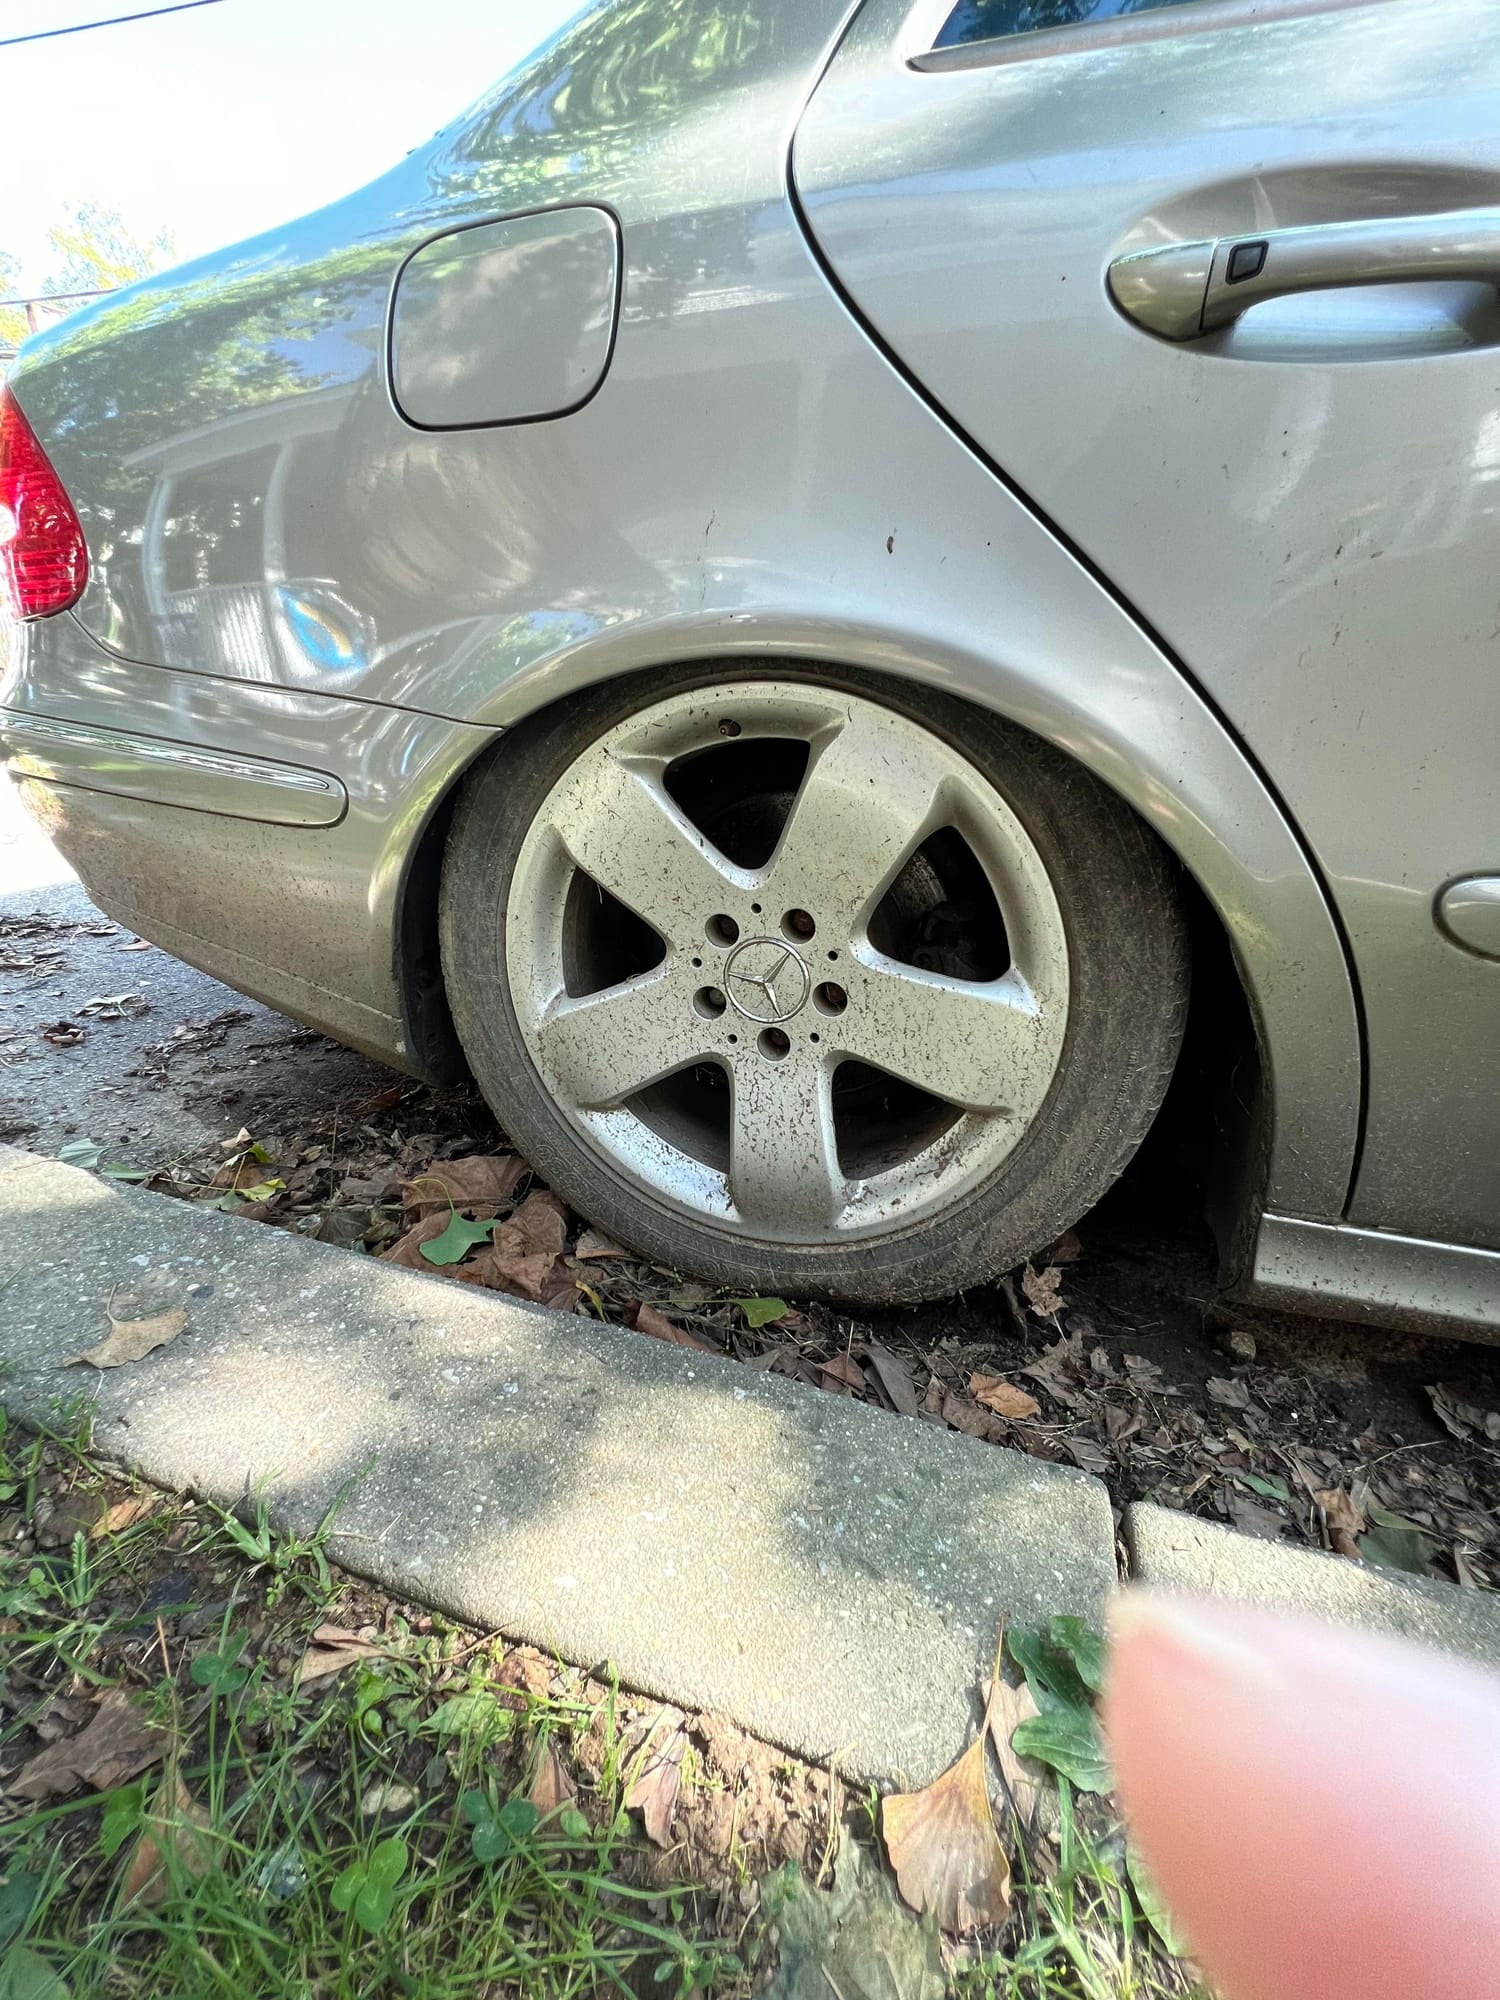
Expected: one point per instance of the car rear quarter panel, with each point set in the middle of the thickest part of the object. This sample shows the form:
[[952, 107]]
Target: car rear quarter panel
[[752, 478]]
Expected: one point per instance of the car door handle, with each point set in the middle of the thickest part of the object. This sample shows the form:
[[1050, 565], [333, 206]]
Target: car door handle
[[1184, 290]]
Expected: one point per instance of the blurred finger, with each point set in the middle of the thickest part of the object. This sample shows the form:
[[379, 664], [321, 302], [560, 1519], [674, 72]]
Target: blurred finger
[[1321, 1808]]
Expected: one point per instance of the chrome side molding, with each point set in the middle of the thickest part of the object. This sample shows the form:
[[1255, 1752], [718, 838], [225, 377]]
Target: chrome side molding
[[161, 772], [1371, 1274]]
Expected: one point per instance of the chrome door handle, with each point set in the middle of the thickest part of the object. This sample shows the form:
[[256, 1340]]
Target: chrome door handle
[[1186, 289]]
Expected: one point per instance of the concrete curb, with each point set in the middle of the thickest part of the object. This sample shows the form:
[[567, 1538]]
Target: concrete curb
[[1179, 1553], [831, 1576]]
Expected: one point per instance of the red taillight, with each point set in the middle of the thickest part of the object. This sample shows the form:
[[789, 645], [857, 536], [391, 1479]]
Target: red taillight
[[43, 562]]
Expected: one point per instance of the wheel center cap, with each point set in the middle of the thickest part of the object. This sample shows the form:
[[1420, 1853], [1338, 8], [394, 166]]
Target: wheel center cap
[[767, 980]]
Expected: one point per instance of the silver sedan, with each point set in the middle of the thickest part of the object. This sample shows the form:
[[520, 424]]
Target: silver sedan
[[813, 593]]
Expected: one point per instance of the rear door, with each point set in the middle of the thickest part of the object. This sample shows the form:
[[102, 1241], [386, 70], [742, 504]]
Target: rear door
[[1291, 472]]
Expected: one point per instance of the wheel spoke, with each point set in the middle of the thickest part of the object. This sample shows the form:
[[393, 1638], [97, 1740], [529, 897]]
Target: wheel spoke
[[783, 1166], [619, 825], [865, 804], [985, 1047], [601, 1049]]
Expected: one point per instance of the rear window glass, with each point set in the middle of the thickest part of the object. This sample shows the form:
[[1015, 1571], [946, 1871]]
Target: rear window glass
[[983, 20]]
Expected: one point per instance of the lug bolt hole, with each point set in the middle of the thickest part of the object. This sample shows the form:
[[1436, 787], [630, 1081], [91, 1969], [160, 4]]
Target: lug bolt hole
[[773, 1044], [709, 1003], [830, 999], [722, 930], [798, 924], [729, 729]]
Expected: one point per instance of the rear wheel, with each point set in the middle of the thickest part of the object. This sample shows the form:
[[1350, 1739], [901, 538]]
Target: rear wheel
[[819, 985]]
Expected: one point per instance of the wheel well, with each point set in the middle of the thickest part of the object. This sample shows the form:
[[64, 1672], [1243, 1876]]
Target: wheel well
[[1209, 1136]]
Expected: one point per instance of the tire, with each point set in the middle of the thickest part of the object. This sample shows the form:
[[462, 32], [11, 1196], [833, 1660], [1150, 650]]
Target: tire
[[1034, 1121]]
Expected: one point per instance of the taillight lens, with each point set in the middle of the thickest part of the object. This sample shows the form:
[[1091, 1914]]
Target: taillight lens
[[43, 562]]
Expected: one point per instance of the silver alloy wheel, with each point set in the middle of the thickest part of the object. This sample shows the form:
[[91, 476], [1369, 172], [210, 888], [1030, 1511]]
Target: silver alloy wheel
[[710, 1045]]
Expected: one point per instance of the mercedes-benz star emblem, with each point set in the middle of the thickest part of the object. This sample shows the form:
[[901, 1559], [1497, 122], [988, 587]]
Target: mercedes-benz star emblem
[[767, 980]]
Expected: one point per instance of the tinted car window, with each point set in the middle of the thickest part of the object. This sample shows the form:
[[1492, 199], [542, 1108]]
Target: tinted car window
[[982, 20]]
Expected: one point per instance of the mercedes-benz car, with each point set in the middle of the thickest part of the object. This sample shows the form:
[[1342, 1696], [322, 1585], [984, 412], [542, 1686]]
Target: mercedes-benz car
[[806, 590]]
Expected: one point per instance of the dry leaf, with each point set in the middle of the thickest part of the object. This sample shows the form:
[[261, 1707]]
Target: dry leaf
[[551, 1788], [1067, 1249], [654, 1793], [407, 1249], [1003, 1397], [1060, 1371], [118, 1744], [965, 1417], [1343, 1520], [1230, 1395], [894, 1377], [131, 1339], [331, 1650], [945, 1851], [592, 1243], [528, 1671], [124, 1514], [76, 1513], [842, 1373], [176, 1827], [1463, 1418], [649, 1320], [483, 1181], [1025, 1779], [1043, 1290]]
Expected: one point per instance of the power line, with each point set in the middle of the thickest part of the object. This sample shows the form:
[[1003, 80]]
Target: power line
[[114, 21]]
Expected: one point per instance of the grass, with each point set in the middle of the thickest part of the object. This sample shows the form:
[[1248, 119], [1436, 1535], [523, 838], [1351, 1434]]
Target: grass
[[387, 1829], [369, 1834]]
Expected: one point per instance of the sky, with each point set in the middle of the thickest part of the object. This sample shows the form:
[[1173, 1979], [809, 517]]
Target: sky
[[225, 120]]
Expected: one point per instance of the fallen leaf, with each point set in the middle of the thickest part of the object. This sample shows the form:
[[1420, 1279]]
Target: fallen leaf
[[894, 1377], [63, 1034], [841, 1373], [1342, 1519], [654, 1793], [118, 1744], [1242, 1344], [135, 944], [330, 1650], [853, 1941], [176, 1831], [1060, 1370], [454, 1242], [483, 1180], [551, 1787], [407, 1249], [1393, 1542], [967, 1417], [1465, 1419], [1025, 1783], [543, 1224], [132, 1339], [1043, 1290], [649, 1320], [76, 1513], [592, 1244], [528, 1672], [943, 1845], [1003, 1397], [762, 1312], [124, 1514], [1229, 1394], [1067, 1249]]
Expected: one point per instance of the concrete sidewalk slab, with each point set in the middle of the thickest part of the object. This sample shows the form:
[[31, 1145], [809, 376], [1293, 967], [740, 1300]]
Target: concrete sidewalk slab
[[1177, 1552], [831, 1576]]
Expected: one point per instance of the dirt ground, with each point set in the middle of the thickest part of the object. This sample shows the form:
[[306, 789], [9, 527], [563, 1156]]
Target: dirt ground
[[1118, 1354]]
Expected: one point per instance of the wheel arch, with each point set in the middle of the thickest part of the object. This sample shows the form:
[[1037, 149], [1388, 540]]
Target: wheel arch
[[1162, 750]]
